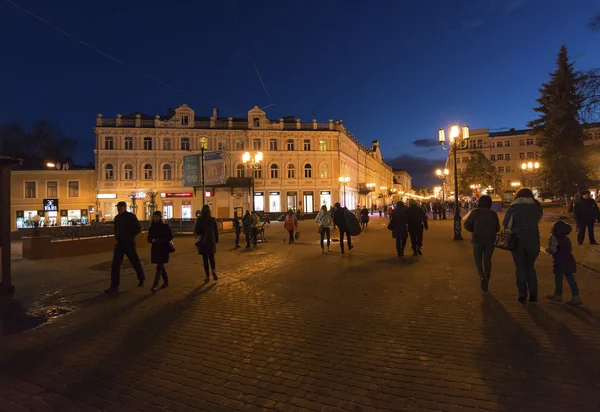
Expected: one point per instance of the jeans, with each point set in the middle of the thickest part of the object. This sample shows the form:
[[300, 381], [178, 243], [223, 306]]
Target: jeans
[[581, 227], [237, 237], [416, 238], [207, 258], [482, 253], [255, 235], [400, 244], [160, 271], [291, 232], [121, 250], [325, 231], [342, 240], [524, 259], [558, 284]]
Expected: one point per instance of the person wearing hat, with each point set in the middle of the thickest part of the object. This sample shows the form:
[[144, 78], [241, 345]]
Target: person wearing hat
[[585, 213], [127, 227]]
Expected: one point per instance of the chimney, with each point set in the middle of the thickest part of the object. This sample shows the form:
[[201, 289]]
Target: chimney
[[215, 113]]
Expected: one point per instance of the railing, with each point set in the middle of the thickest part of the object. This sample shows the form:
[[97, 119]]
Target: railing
[[127, 122], [109, 122], [289, 126], [221, 125], [306, 126], [202, 125], [147, 123], [323, 126], [240, 125]]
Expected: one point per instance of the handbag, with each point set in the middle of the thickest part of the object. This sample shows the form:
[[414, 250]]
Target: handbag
[[171, 246], [506, 240], [297, 235], [200, 240], [319, 229]]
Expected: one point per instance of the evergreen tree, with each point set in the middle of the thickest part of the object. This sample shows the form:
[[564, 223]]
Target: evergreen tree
[[559, 133], [480, 171]]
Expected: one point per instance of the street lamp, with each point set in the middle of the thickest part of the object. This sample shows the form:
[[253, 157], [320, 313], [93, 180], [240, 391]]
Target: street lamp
[[383, 189], [252, 163], [443, 175], [529, 169], [371, 187], [133, 206], [456, 141], [152, 205], [344, 180]]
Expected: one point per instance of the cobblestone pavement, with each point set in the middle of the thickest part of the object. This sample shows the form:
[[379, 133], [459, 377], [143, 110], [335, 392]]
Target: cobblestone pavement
[[288, 329]]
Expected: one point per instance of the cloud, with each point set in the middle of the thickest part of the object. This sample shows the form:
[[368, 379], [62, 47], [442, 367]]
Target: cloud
[[470, 25], [422, 169], [512, 6], [425, 142]]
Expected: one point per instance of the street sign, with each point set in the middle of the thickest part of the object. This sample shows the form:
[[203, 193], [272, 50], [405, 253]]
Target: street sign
[[191, 170]]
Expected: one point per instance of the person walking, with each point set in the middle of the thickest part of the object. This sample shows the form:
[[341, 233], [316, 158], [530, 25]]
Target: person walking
[[237, 229], [291, 224], [324, 220], [417, 221], [331, 212], [522, 218], [483, 223], [127, 227], [339, 219], [364, 217], [207, 234], [247, 227], [398, 226], [160, 236], [563, 263], [585, 213], [255, 223]]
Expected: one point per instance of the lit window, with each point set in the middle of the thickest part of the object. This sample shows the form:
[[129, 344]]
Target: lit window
[[167, 172], [324, 171], [109, 172], [108, 143], [308, 171], [148, 175], [274, 172], [73, 188], [323, 145], [291, 171], [128, 172]]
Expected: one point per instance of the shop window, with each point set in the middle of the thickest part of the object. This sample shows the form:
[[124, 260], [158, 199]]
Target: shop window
[[290, 145], [306, 144], [148, 175], [241, 171], [274, 172], [147, 143], [109, 172], [129, 143], [291, 171], [30, 190], [185, 143], [324, 171], [308, 171], [167, 172], [128, 172], [73, 188], [52, 189], [109, 143]]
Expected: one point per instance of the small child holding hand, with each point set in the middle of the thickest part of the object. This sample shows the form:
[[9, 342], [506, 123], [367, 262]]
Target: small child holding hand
[[563, 262]]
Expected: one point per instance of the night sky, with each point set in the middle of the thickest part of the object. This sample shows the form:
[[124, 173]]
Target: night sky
[[394, 71]]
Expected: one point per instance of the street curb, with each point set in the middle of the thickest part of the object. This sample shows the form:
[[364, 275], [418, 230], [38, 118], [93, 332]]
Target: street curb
[[583, 265]]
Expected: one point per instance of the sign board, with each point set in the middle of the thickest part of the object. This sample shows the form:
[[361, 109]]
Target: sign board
[[50, 205], [184, 194], [191, 170]]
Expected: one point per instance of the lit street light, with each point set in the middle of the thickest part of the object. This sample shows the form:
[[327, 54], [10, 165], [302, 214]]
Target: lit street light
[[529, 169], [456, 141], [344, 180], [371, 187], [252, 163], [443, 175]]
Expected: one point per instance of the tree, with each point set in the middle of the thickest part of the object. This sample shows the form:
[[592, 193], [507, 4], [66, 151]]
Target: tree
[[44, 140], [594, 24], [588, 86], [560, 136], [481, 171]]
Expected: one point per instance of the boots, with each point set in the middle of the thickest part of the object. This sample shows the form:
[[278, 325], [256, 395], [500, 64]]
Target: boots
[[575, 301], [555, 298]]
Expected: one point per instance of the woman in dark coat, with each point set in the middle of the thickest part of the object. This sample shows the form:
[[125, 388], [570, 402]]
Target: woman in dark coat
[[160, 235], [207, 234], [398, 227]]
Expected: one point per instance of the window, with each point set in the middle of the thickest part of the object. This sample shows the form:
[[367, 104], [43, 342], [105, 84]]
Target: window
[[307, 171], [185, 120], [147, 143], [108, 143], [222, 145], [530, 155], [52, 189], [493, 144], [529, 142], [537, 154], [167, 172], [457, 160], [258, 173], [128, 172], [109, 172], [290, 145], [129, 143], [185, 143], [30, 190], [240, 171], [256, 144], [274, 172], [499, 144], [507, 156], [73, 188], [306, 144], [323, 145], [239, 145], [507, 169], [500, 169], [148, 172], [500, 157], [521, 156], [521, 142], [479, 144], [167, 143], [324, 171], [507, 143], [493, 158], [273, 144], [464, 160], [291, 171], [256, 121], [203, 143]]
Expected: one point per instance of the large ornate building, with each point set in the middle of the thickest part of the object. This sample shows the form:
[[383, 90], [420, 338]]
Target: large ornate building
[[300, 168]]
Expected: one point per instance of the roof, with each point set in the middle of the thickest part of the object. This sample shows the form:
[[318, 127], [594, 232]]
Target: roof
[[511, 132], [42, 164]]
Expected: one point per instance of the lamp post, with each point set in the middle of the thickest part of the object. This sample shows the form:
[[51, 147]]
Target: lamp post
[[152, 205], [252, 163], [442, 174], [456, 141], [133, 206], [344, 180], [371, 187], [529, 169]]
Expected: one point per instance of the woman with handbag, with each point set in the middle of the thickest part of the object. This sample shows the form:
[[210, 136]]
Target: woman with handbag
[[324, 220], [207, 234], [522, 219], [291, 224], [161, 238]]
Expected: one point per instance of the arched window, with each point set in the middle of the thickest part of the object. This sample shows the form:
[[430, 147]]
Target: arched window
[[324, 171], [128, 172], [307, 171], [240, 171], [167, 172], [274, 172], [291, 171], [109, 172], [148, 175]]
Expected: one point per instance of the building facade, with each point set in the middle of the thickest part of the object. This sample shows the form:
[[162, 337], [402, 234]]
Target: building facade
[[508, 150], [61, 197], [300, 167]]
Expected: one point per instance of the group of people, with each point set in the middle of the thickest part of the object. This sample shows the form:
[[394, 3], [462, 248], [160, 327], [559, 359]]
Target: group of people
[[405, 222]]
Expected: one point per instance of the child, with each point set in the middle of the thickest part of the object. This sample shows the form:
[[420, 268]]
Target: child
[[559, 246]]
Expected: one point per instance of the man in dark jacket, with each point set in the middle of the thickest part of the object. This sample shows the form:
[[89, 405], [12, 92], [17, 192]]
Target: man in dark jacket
[[398, 227], [585, 213], [127, 227], [417, 221], [339, 220]]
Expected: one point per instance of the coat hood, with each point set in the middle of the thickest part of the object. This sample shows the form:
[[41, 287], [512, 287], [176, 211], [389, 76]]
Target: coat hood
[[561, 228], [524, 201]]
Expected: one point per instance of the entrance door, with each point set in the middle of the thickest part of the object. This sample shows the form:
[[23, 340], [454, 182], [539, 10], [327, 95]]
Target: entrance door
[[167, 211], [308, 203]]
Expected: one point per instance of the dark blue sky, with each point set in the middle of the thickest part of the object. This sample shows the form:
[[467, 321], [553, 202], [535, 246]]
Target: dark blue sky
[[394, 71]]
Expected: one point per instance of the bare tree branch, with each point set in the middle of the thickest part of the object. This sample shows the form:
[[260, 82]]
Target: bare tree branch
[[588, 86], [594, 24]]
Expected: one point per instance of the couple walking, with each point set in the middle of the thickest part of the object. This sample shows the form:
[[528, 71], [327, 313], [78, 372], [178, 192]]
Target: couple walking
[[338, 218], [408, 221]]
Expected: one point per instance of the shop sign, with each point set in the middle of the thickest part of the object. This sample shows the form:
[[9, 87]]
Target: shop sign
[[64, 213], [20, 214], [209, 194], [106, 196], [40, 213], [184, 194], [50, 205], [323, 192], [84, 212]]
